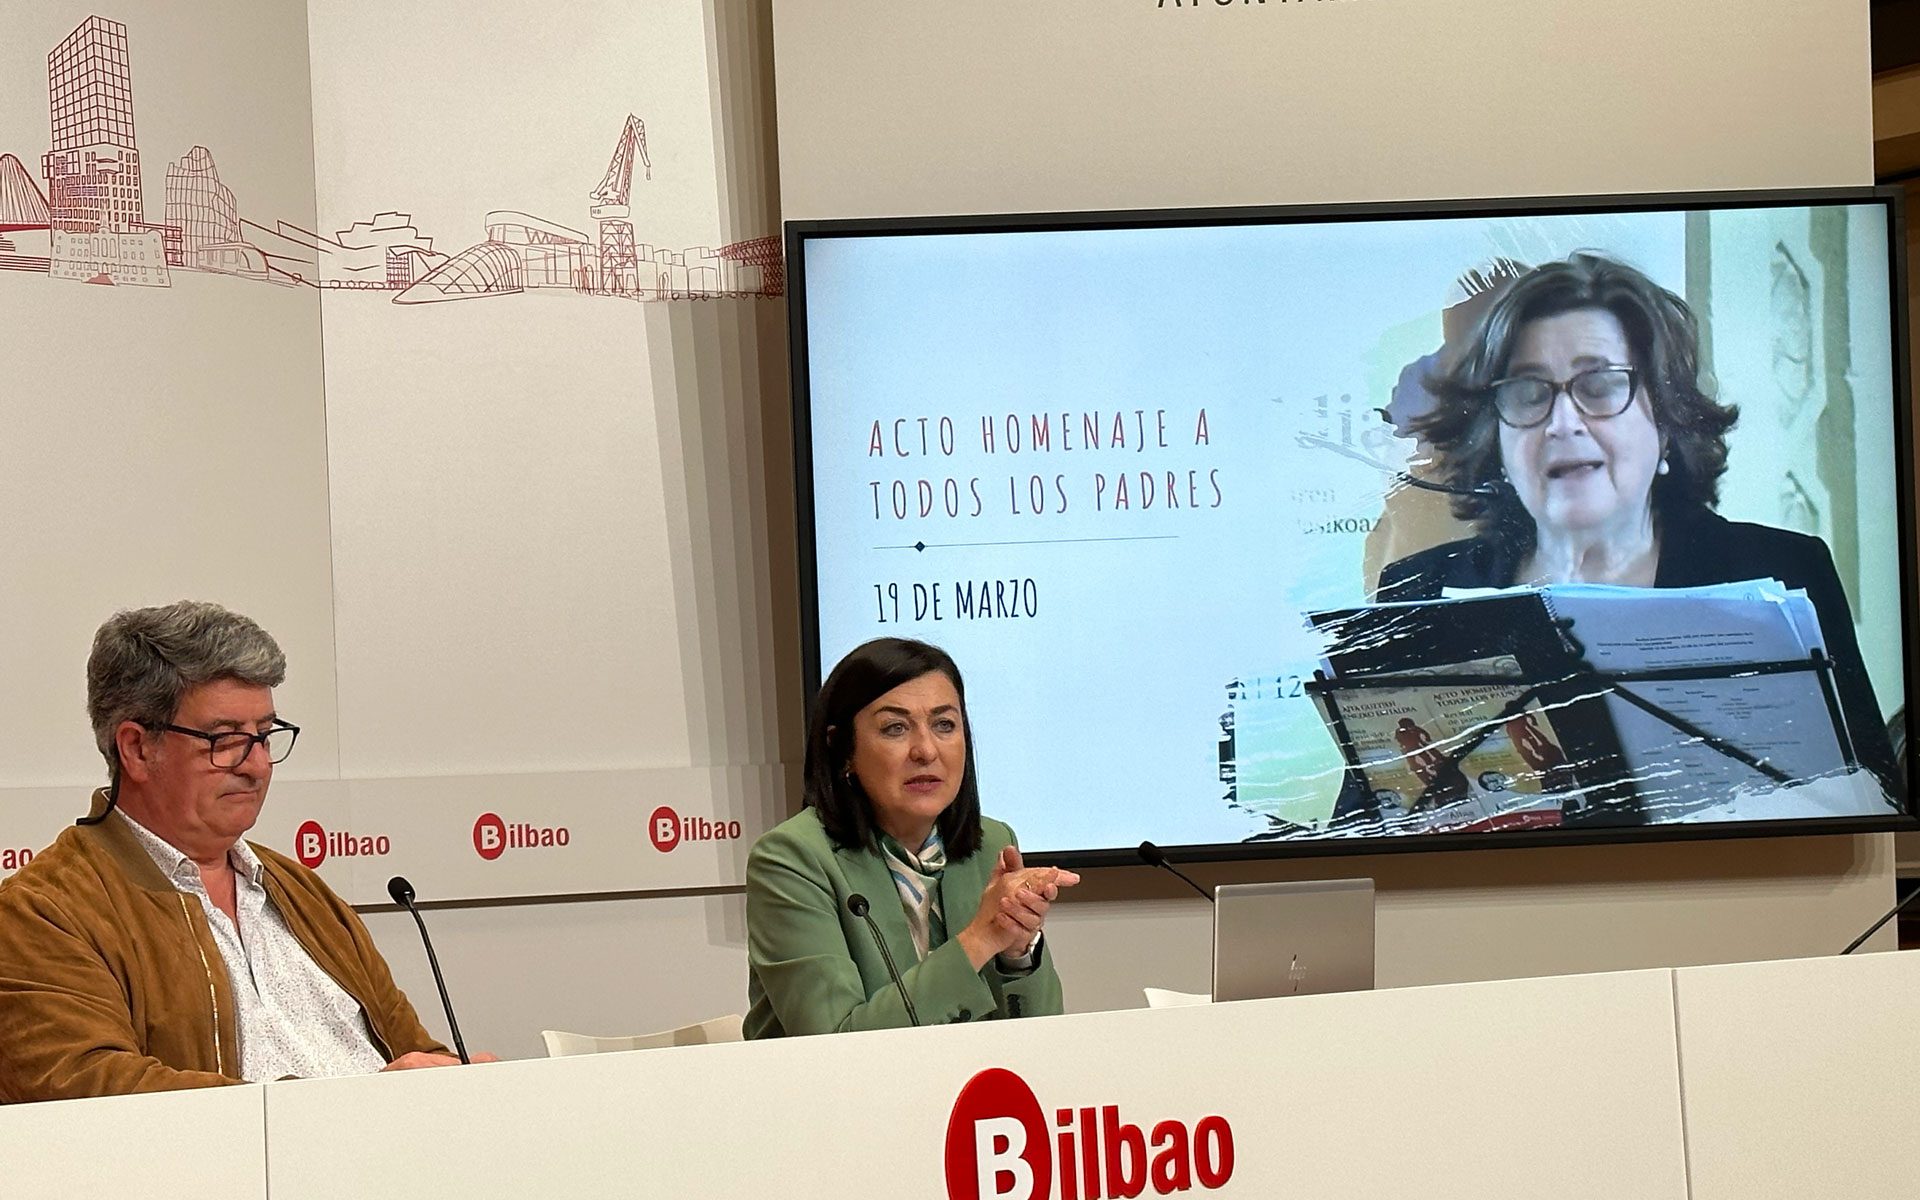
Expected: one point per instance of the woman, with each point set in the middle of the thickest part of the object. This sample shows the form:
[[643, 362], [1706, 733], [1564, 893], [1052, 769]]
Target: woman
[[893, 816], [1577, 440]]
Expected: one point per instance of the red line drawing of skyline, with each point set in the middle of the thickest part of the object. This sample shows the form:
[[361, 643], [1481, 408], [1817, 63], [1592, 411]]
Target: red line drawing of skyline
[[92, 222]]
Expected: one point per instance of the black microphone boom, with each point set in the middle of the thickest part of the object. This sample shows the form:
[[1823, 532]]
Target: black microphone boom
[[1153, 856], [858, 906], [1874, 928], [402, 893]]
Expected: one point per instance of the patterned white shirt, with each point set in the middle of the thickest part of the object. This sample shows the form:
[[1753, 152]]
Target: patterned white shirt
[[293, 1019]]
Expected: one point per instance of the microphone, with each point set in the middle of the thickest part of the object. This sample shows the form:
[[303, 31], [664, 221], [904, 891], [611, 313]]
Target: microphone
[[1875, 927], [858, 906], [402, 893], [1153, 856]]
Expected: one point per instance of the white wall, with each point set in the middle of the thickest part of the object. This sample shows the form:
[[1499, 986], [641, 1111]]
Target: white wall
[[891, 108]]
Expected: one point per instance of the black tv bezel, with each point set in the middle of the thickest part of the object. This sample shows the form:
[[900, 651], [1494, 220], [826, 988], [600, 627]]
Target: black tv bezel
[[798, 234]]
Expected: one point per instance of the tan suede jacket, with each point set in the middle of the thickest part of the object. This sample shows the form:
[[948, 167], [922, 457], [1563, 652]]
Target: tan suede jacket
[[111, 982]]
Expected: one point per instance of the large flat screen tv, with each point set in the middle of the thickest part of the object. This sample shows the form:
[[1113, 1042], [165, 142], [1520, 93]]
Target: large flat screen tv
[[1338, 530]]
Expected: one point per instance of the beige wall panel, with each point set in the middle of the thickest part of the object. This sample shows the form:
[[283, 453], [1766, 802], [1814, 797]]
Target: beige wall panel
[[162, 441], [499, 551], [543, 546], [501, 528], [448, 111], [890, 109]]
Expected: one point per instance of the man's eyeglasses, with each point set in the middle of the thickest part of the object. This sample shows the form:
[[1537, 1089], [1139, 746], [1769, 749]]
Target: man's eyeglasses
[[229, 748], [1599, 393]]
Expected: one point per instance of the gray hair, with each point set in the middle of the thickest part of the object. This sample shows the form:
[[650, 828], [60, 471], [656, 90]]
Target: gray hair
[[145, 659]]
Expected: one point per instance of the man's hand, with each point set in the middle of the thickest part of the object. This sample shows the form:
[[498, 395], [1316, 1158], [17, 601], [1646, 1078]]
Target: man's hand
[[421, 1058]]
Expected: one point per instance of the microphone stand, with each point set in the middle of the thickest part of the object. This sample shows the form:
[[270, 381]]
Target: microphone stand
[[1874, 928], [402, 893], [858, 906], [1153, 856]]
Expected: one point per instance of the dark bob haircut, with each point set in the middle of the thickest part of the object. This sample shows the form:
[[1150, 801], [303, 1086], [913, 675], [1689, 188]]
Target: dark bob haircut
[[867, 673], [1664, 341]]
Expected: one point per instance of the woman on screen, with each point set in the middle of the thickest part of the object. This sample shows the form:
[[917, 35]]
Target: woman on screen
[[1575, 437], [891, 857]]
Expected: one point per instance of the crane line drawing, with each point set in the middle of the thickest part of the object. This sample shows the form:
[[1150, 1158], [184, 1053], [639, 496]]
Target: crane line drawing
[[619, 262]]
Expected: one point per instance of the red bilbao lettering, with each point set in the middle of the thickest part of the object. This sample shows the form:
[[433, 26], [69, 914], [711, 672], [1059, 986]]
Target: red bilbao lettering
[[1000, 1148], [313, 845], [667, 829], [493, 837], [13, 860]]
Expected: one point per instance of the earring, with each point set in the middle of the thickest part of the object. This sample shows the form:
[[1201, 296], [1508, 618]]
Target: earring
[[1663, 468]]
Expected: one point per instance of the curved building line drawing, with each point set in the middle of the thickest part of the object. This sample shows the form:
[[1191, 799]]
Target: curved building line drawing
[[22, 206], [487, 269], [25, 220]]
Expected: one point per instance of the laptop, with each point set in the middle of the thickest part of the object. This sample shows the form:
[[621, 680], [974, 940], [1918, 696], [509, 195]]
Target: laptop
[[1292, 939]]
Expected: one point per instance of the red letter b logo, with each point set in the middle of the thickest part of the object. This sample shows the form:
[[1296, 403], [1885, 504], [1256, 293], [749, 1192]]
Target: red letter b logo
[[664, 828]]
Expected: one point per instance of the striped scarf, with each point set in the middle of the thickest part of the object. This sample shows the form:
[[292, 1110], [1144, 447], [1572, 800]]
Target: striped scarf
[[916, 876]]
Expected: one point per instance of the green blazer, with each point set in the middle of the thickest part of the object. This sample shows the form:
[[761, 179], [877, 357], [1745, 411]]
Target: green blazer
[[812, 967]]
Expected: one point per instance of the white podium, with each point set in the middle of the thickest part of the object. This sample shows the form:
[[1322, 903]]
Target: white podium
[[1550, 1087], [1788, 1079], [1802, 1078], [167, 1146]]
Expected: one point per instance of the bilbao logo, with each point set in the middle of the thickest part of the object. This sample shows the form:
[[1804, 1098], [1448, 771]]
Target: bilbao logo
[[493, 837], [1001, 1147], [14, 859], [667, 829], [313, 845]]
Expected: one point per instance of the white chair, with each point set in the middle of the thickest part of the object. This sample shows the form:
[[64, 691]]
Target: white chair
[[1165, 998], [720, 1029]]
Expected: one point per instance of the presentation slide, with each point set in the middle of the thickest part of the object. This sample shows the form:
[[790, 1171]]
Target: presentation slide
[[1259, 529]]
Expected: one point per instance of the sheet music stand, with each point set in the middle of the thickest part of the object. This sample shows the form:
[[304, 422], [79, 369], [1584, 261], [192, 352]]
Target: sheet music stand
[[1581, 681]]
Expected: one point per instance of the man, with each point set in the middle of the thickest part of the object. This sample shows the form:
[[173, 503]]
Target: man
[[150, 947]]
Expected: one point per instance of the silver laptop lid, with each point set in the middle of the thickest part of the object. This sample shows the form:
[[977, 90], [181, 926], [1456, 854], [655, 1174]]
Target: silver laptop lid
[[1286, 939]]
